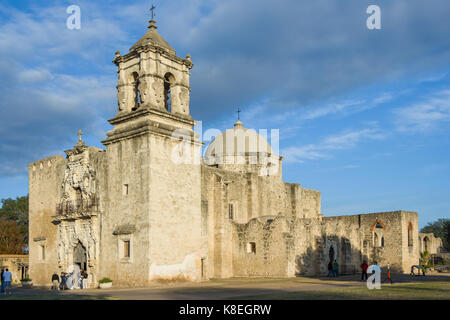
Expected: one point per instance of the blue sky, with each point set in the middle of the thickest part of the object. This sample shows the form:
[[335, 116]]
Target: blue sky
[[364, 115]]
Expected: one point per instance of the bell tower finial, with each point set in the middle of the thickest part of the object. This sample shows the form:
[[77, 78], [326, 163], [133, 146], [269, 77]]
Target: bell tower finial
[[152, 9]]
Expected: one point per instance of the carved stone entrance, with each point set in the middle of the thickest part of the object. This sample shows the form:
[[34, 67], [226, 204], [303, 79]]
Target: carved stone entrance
[[77, 214]]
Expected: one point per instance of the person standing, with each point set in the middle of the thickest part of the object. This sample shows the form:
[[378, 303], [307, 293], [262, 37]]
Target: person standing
[[364, 267], [7, 277], [84, 276], [335, 268], [70, 281], [2, 281], [330, 269], [55, 281]]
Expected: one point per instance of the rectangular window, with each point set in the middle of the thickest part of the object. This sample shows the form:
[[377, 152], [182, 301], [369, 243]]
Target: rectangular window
[[251, 247], [230, 211], [125, 189], [42, 252], [126, 249]]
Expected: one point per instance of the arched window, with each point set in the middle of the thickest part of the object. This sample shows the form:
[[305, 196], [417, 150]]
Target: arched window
[[137, 93], [426, 244], [382, 241], [169, 81], [375, 240], [410, 238]]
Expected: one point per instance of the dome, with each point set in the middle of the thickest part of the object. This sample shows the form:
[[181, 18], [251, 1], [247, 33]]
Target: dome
[[152, 37], [238, 146]]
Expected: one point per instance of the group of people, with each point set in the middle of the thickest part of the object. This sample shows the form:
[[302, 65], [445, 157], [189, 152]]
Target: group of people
[[333, 269], [6, 278], [69, 281]]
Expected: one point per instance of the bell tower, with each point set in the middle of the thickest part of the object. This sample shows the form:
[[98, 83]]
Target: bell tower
[[153, 188], [151, 76]]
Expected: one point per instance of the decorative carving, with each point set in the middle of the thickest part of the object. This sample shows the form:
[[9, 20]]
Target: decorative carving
[[78, 186]]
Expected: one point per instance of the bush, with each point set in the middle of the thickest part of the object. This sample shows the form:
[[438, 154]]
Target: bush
[[105, 280], [26, 280]]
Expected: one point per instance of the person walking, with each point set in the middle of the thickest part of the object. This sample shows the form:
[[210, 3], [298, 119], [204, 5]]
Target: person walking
[[364, 267], [3, 281], [335, 268], [7, 277], [55, 281], [330, 269]]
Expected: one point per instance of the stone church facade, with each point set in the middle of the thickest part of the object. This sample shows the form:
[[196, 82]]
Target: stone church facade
[[150, 207]]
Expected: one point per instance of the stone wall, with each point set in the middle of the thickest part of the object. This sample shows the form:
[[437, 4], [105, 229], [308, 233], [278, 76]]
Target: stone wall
[[428, 242], [45, 178], [16, 264]]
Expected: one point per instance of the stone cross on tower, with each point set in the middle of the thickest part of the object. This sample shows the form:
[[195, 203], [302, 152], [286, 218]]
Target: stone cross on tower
[[80, 133], [152, 9]]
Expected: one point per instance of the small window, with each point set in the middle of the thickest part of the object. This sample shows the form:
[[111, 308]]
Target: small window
[[126, 249], [410, 238], [125, 189], [230, 211], [382, 241], [43, 252], [251, 247]]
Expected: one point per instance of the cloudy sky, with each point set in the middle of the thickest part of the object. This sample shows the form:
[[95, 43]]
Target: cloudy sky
[[364, 115]]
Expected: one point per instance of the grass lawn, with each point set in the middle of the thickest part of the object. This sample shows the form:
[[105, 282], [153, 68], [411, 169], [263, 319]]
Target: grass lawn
[[419, 291]]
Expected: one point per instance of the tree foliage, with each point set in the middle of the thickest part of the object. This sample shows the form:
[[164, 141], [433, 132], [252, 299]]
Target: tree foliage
[[14, 215], [11, 237]]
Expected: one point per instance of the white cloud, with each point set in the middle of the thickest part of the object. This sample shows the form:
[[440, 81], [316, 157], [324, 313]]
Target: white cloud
[[322, 150], [426, 115]]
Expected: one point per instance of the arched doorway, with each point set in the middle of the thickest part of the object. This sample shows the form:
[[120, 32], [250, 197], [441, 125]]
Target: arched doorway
[[80, 257], [331, 254]]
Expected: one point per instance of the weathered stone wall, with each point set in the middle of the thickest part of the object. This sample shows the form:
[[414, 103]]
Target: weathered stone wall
[[428, 242], [175, 209], [126, 212], [410, 253], [16, 264], [45, 178], [253, 198]]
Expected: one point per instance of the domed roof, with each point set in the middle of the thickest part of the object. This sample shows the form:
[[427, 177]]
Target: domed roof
[[152, 37], [233, 146]]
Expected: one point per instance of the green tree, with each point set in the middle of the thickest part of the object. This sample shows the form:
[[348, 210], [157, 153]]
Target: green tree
[[11, 238], [16, 210], [446, 234]]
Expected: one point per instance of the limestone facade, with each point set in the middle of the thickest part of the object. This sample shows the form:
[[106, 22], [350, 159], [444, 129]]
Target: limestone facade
[[149, 207], [17, 264]]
